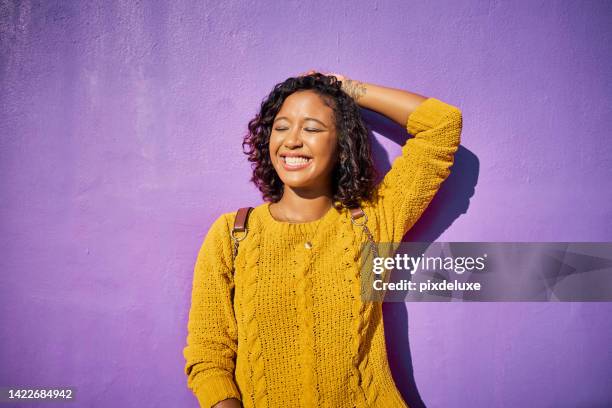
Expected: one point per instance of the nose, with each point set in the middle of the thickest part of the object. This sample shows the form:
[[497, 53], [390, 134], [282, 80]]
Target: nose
[[293, 138]]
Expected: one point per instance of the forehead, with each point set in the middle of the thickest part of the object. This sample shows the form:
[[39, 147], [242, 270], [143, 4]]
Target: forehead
[[305, 103]]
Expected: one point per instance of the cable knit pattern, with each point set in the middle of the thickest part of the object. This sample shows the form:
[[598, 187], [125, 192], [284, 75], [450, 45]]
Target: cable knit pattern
[[350, 263], [305, 306], [258, 379], [364, 322], [301, 332]]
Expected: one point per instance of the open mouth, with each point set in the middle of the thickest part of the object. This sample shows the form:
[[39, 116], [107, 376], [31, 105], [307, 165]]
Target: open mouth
[[295, 162]]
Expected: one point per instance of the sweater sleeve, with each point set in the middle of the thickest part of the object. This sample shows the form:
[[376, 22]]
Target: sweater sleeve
[[212, 332], [416, 175]]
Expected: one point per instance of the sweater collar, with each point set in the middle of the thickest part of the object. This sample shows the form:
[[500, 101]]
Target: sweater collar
[[310, 227]]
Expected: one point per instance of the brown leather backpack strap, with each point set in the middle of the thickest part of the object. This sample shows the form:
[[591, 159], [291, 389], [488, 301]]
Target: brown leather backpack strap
[[240, 225], [241, 219], [357, 213]]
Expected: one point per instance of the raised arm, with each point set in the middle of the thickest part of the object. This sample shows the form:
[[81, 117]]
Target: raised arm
[[212, 334], [415, 176], [396, 104]]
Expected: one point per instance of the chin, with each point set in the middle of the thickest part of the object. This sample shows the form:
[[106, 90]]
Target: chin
[[294, 180], [297, 183]]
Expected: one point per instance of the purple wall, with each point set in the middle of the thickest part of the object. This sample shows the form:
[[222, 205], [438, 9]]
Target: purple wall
[[121, 125]]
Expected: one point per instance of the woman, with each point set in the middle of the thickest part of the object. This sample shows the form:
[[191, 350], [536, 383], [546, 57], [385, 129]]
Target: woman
[[283, 324]]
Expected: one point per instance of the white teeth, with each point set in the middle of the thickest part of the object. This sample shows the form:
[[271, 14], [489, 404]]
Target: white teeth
[[296, 160]]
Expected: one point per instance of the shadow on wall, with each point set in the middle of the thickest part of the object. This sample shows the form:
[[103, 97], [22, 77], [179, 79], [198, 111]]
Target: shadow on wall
[[452, 200]]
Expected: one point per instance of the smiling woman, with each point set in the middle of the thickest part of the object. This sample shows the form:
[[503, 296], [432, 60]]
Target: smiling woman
[[283, 322], [303, 145], [309, 142]]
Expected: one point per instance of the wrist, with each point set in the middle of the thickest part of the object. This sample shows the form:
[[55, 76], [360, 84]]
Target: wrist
[[354, 88]]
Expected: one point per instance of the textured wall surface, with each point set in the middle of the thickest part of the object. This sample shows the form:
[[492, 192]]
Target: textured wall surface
[[121, 124]]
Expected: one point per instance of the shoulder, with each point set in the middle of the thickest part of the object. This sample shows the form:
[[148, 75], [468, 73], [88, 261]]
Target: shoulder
[[224, 222], [218, 233], [222, 226], [217, 245]]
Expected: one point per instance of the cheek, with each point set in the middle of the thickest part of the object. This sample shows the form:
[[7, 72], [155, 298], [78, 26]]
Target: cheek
[[329, 153], [272, 148]]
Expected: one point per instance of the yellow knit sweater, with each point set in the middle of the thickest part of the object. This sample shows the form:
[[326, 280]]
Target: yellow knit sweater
[[299, 333]]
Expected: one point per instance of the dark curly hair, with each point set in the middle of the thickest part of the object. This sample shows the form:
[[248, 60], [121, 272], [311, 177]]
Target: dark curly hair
[[354, 174]]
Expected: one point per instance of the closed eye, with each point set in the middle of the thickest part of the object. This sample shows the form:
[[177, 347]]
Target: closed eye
[[307, 129]]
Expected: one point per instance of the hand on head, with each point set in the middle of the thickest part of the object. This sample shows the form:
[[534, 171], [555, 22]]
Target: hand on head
[[312, 71]]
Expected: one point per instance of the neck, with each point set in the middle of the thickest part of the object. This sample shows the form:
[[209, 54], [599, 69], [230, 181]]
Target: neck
[[296, 206]]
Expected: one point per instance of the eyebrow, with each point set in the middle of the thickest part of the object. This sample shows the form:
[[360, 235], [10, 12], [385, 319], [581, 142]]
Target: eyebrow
[[306, 118]]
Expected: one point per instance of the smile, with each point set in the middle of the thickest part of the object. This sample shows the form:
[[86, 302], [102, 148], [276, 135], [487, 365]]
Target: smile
[[295, 162]]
